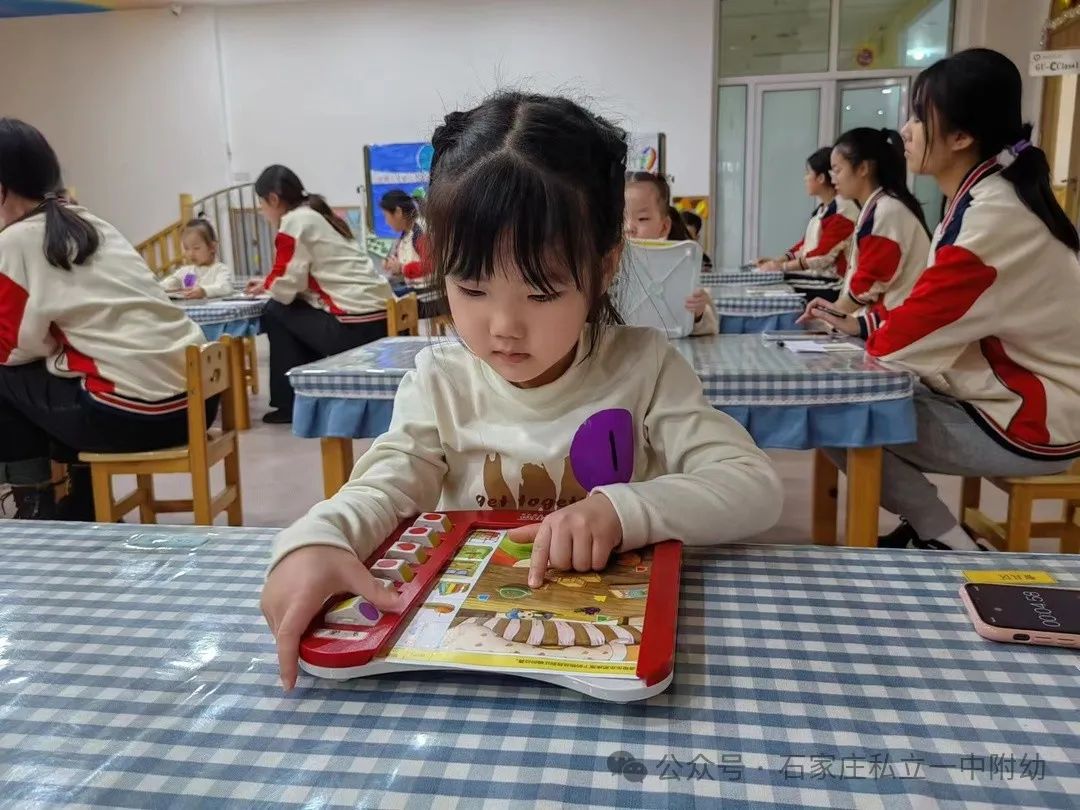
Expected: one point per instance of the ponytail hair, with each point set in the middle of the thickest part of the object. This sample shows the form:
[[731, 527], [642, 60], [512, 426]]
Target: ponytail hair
[[396, 198], [977, 92], [203, 226], [884, 148], [29, 168], [820, 163], [281, 180]]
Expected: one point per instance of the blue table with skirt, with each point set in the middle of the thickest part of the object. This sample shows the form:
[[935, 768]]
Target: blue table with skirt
[[237, 316], [746, 310], [751, 278], [785, 400], [137, 671]]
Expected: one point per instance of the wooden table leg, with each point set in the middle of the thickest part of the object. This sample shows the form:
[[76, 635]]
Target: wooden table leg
[[337, 463], [823, 507], [863, 495]]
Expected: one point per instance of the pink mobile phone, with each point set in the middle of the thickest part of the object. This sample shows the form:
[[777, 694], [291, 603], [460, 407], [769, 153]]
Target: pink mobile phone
[[1024, 614]]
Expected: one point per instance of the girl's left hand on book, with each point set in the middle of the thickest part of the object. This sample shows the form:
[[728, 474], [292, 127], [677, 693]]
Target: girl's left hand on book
[[579, 537]]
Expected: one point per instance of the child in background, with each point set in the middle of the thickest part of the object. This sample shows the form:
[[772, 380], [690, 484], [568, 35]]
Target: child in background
[[649, 216], [402, 213], [91, 351], [202, 275], [817, 265], [327, 296], [991, 327], [693, 227], [542, 387], [891, 237]]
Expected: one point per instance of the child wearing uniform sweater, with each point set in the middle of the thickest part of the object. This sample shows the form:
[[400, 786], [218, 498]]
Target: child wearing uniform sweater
[[327, 297], [990, 326], [544, 404], [202, 275], [91, 350], [817, 264]]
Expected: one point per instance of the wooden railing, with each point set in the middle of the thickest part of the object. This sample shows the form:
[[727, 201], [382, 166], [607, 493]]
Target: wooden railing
[[162, 251]]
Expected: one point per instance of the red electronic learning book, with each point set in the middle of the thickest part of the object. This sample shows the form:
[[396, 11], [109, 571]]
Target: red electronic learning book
[[609, 634]]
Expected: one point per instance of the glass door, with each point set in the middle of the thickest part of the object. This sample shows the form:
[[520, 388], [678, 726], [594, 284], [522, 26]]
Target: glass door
[[883, 104], [789, 129]]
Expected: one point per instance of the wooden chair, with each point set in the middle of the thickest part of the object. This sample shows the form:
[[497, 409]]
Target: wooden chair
[[251, 364], [441, 325], [211, 369], [403, 315], [1016, 533]]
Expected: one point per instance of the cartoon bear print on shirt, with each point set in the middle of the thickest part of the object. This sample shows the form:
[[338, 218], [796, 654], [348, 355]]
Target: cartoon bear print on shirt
[[601, 452]]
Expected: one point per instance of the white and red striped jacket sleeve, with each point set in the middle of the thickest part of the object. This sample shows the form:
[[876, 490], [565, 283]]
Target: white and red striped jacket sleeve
[[879, 256], [829, 254], [292, 261], [24, 333]]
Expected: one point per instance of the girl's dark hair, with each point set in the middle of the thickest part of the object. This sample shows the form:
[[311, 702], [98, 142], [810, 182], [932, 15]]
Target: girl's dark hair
[[396, 198], [533, 181], [978, 92], [283, 181], [885, 149], [29, 168], [678, 232], [691, 220], [820, 163], [203, 227]]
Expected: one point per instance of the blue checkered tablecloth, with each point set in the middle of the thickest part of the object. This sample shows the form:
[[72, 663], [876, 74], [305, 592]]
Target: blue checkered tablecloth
[[756, 278], [747, 370], [770, 300], [734, 369], [136, 671], [224, 310]]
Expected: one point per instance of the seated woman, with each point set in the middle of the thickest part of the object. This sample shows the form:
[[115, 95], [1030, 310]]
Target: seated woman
[[327, 296], [990, 327], [202, 275], [817, 264], [405, 261], [91, 350]]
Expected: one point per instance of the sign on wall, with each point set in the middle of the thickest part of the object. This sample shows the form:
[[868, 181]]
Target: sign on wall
[[1054, 63]]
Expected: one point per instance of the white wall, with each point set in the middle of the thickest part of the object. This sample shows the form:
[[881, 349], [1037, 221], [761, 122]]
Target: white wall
[[309, 85], [130, 101], [1012, 27]]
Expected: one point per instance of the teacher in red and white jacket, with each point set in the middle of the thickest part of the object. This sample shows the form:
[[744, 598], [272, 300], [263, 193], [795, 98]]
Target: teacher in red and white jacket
[[990, 327], [327, 296], [91, 349]]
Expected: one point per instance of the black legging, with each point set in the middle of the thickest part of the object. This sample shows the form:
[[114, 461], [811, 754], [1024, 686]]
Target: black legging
[[45, 416], [301, 334]]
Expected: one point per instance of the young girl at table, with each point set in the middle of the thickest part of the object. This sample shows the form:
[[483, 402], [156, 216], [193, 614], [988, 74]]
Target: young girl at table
[[817, 264], [91, 350], [891, 237], [327, 297], [546, 403], [404, 262], [202, 275], [650, 215], [991, 326]]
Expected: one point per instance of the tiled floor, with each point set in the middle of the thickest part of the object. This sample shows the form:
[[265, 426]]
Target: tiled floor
[[282, 477]]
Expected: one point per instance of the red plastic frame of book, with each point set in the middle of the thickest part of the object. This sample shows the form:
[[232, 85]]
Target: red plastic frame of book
[[657, 656]]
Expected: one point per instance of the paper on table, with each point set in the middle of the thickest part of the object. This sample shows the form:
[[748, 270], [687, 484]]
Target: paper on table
[[809, 346]]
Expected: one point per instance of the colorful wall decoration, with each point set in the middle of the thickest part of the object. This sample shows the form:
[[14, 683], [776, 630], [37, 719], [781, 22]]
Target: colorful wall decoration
[[387, 166], [646, 152]]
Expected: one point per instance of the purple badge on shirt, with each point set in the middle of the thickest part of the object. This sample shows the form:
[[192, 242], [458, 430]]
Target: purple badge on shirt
[[189, 280], [602, 451]]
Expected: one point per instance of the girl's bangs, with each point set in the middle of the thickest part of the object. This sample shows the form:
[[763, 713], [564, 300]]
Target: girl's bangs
[[504, 215]]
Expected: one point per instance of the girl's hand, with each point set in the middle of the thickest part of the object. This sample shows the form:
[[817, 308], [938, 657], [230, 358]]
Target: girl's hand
[[841, 323], [195, 292], [299, 586], [254, 287], [392, 266], [579, 537], [769, 264], [697, 302]]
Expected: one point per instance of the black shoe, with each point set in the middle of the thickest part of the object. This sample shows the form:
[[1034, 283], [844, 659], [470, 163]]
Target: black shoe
[[34, 502], [78, 504], [903, 536], [278, 417]]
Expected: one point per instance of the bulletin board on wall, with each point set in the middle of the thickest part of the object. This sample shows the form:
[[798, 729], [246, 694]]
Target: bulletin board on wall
[[646, 152], [389, 166]]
